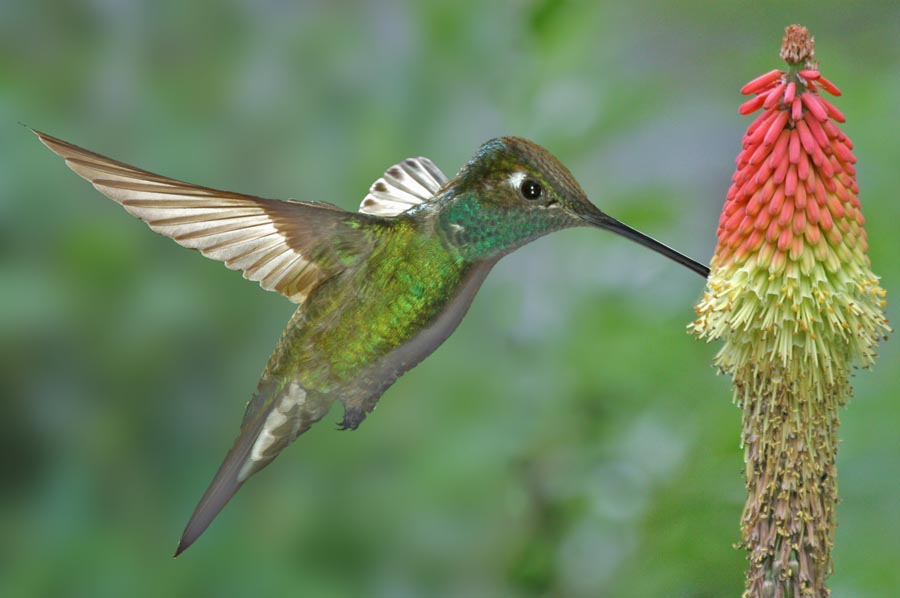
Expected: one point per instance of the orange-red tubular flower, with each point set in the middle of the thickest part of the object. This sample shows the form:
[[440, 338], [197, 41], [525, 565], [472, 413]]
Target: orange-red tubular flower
[[792, 296]]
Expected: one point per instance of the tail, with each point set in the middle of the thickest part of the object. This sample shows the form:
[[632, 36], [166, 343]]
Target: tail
[[277, 415]]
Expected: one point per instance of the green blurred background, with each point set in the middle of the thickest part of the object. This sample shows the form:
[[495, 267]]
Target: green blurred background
[[570, 439]]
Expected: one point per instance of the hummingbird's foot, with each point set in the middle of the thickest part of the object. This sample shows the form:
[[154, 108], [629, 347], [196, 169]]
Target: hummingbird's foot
[[353, 416]]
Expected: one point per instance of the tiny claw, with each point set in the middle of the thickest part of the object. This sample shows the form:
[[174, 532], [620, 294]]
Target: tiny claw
[[353, 416]]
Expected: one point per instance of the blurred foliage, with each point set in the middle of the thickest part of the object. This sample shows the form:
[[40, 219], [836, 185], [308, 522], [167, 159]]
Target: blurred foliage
[[570, 438]]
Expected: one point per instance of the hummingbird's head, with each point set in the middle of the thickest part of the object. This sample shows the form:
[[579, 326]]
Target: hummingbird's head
[[514, 191], [521, 176]]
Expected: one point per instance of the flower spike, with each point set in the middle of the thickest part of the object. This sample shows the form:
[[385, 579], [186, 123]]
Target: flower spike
[[792, 296]]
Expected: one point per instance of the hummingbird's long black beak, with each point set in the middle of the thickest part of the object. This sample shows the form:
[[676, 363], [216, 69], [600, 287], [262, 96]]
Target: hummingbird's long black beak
[[601, 220]]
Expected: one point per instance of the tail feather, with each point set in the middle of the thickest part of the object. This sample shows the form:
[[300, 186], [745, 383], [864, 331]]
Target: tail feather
[[274, 418]]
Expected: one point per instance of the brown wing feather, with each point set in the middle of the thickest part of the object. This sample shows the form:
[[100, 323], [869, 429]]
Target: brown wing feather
[[276, 243]]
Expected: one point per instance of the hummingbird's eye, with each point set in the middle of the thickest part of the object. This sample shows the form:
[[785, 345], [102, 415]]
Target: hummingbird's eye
[[531, 189]]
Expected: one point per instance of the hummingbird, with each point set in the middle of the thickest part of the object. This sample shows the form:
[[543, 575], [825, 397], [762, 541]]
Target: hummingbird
[[377, 291]]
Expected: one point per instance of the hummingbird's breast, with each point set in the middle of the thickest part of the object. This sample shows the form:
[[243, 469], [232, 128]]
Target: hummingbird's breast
[[364, 328]]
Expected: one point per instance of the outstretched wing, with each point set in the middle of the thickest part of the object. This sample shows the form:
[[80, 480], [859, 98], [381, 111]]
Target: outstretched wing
[[287, 246]]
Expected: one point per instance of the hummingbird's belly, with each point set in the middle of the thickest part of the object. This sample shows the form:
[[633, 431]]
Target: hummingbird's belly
[[363, 332], [380, 317], [414, 340]]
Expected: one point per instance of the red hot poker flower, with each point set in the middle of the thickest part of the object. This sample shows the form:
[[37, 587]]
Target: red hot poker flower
[[792, 295]]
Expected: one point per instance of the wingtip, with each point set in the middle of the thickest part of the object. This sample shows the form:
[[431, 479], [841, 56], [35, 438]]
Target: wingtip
[[66, 150], [224, 486], [48, 140], [192, 531], [183, 545]]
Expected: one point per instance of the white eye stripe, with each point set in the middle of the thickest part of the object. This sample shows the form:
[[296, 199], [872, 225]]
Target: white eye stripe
[[515, 180]]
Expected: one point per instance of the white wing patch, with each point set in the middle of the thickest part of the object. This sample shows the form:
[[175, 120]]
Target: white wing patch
[[281, 427], [403, 186]]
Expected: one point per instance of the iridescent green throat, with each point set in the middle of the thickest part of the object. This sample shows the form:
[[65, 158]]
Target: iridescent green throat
[[480, 229]]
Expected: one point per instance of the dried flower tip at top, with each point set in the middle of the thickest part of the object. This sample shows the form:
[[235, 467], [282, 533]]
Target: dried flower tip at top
[[797, 45]]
